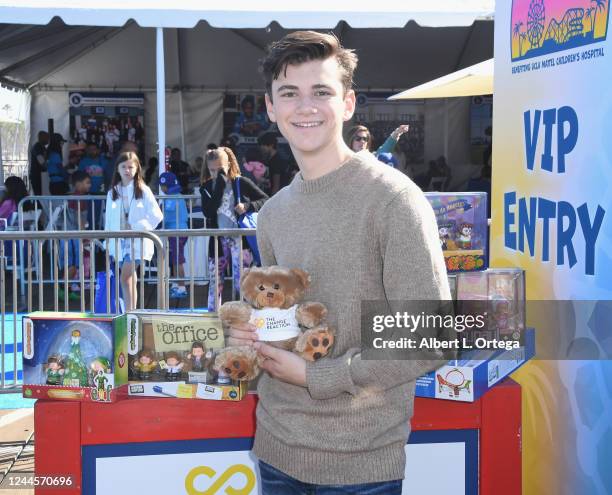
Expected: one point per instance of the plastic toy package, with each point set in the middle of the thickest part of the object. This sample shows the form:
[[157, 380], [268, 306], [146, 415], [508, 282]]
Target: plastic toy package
[[171, 355], [498, 295], [462, 229], [69, 356]]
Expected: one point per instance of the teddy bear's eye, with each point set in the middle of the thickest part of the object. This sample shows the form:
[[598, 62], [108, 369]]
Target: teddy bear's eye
[[262, 288], [276, 286]]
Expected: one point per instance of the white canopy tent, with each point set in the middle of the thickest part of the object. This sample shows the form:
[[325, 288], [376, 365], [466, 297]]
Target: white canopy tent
[[109, 45]]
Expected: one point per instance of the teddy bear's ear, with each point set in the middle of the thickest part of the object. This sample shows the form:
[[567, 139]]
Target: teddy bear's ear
[[248, 283], [302, 276]]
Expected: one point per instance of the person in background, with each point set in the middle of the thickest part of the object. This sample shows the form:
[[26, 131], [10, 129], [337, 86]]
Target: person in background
[[222, 207], [38, 162], [95, 165], [482, 184], [388, 158], [130, 205], [175, 217], [254, 168], [76, 219], [180, 169], [151, 176], [195, 172], [58, 176], [15, 191], [280, 168], [359, 138]]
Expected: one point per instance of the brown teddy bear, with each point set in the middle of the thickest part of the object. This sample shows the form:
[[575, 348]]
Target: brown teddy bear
[[273, 294]]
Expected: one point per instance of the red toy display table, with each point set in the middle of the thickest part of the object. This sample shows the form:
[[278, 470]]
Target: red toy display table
[[137, 446]]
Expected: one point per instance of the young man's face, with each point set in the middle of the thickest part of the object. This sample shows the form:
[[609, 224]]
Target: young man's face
[[309, 105]]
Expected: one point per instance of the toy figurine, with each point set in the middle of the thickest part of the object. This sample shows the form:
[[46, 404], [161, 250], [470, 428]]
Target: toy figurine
[[198, 358], [99, 364], [464, 240], [145, 364], [100, 381], [444, 231], [55, 370], [173, 366], [76, 372]]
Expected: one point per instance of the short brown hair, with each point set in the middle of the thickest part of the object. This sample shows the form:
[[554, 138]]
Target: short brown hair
[[354, 130], [304, 46]]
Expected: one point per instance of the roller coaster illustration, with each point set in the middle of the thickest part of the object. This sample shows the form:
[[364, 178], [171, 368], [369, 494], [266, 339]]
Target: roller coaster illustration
[[570, 26]]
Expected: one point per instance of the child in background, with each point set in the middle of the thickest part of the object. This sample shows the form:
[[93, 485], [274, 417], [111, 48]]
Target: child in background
[[130, 205], [76, 219], [175, 217], [222, 206], [15, 191]]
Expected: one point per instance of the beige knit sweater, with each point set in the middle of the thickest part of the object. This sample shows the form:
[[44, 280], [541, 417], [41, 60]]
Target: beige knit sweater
[[363, 231]]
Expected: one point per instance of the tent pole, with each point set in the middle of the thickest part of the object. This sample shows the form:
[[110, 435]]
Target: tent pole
[[446, 129], [161, 101], [179, 63]]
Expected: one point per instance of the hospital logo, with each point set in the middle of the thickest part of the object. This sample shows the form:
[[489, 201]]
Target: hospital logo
[[542, 27]]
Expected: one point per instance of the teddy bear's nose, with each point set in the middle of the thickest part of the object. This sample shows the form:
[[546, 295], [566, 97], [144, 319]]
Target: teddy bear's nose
[[270, 295]]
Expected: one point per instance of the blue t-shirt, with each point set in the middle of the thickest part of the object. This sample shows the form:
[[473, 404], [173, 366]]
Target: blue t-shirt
[[96, 168], [170, 207], [56, 168]]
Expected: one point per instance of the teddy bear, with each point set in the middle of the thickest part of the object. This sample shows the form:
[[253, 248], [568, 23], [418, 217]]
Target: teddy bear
[[273, 296]]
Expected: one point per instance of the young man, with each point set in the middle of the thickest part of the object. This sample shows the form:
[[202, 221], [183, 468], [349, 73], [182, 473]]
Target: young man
[[362, 231]]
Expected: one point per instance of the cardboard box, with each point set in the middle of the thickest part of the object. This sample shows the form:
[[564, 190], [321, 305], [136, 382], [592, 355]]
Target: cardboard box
[[469, 378], [69, 356], [182, 390], [462, 228], [170, 354], [497, 294]]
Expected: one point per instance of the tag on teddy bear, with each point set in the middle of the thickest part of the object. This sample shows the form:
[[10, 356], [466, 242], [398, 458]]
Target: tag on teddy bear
[[275, 324]]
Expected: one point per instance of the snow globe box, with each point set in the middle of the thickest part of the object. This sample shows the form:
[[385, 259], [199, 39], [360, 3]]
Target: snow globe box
[[170, 354], [462, 229], [69, 356]]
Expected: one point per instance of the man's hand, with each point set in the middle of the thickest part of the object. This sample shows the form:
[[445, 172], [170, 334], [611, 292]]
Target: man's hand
[[242, 334], [284, 365]]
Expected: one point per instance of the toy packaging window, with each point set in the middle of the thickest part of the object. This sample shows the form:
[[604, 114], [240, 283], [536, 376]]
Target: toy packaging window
[[171, 355], [462, 229], [500, 295], [69, 356]]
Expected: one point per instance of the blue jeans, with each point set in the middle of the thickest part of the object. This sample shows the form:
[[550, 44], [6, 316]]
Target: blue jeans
[[275, 482]]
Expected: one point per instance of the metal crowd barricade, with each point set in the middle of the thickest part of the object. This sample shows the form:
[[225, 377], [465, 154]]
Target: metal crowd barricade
[[202, 257], [9, 254], [58, 213]]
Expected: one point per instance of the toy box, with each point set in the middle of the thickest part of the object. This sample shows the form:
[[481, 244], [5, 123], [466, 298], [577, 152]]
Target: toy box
[[462, 228], [499, 295], [70, 356], [469, 378], [171, 355]]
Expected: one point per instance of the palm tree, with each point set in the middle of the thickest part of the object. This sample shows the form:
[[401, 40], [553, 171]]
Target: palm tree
[[599, 5], [589, 16], [517, 32], [522, 38]]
